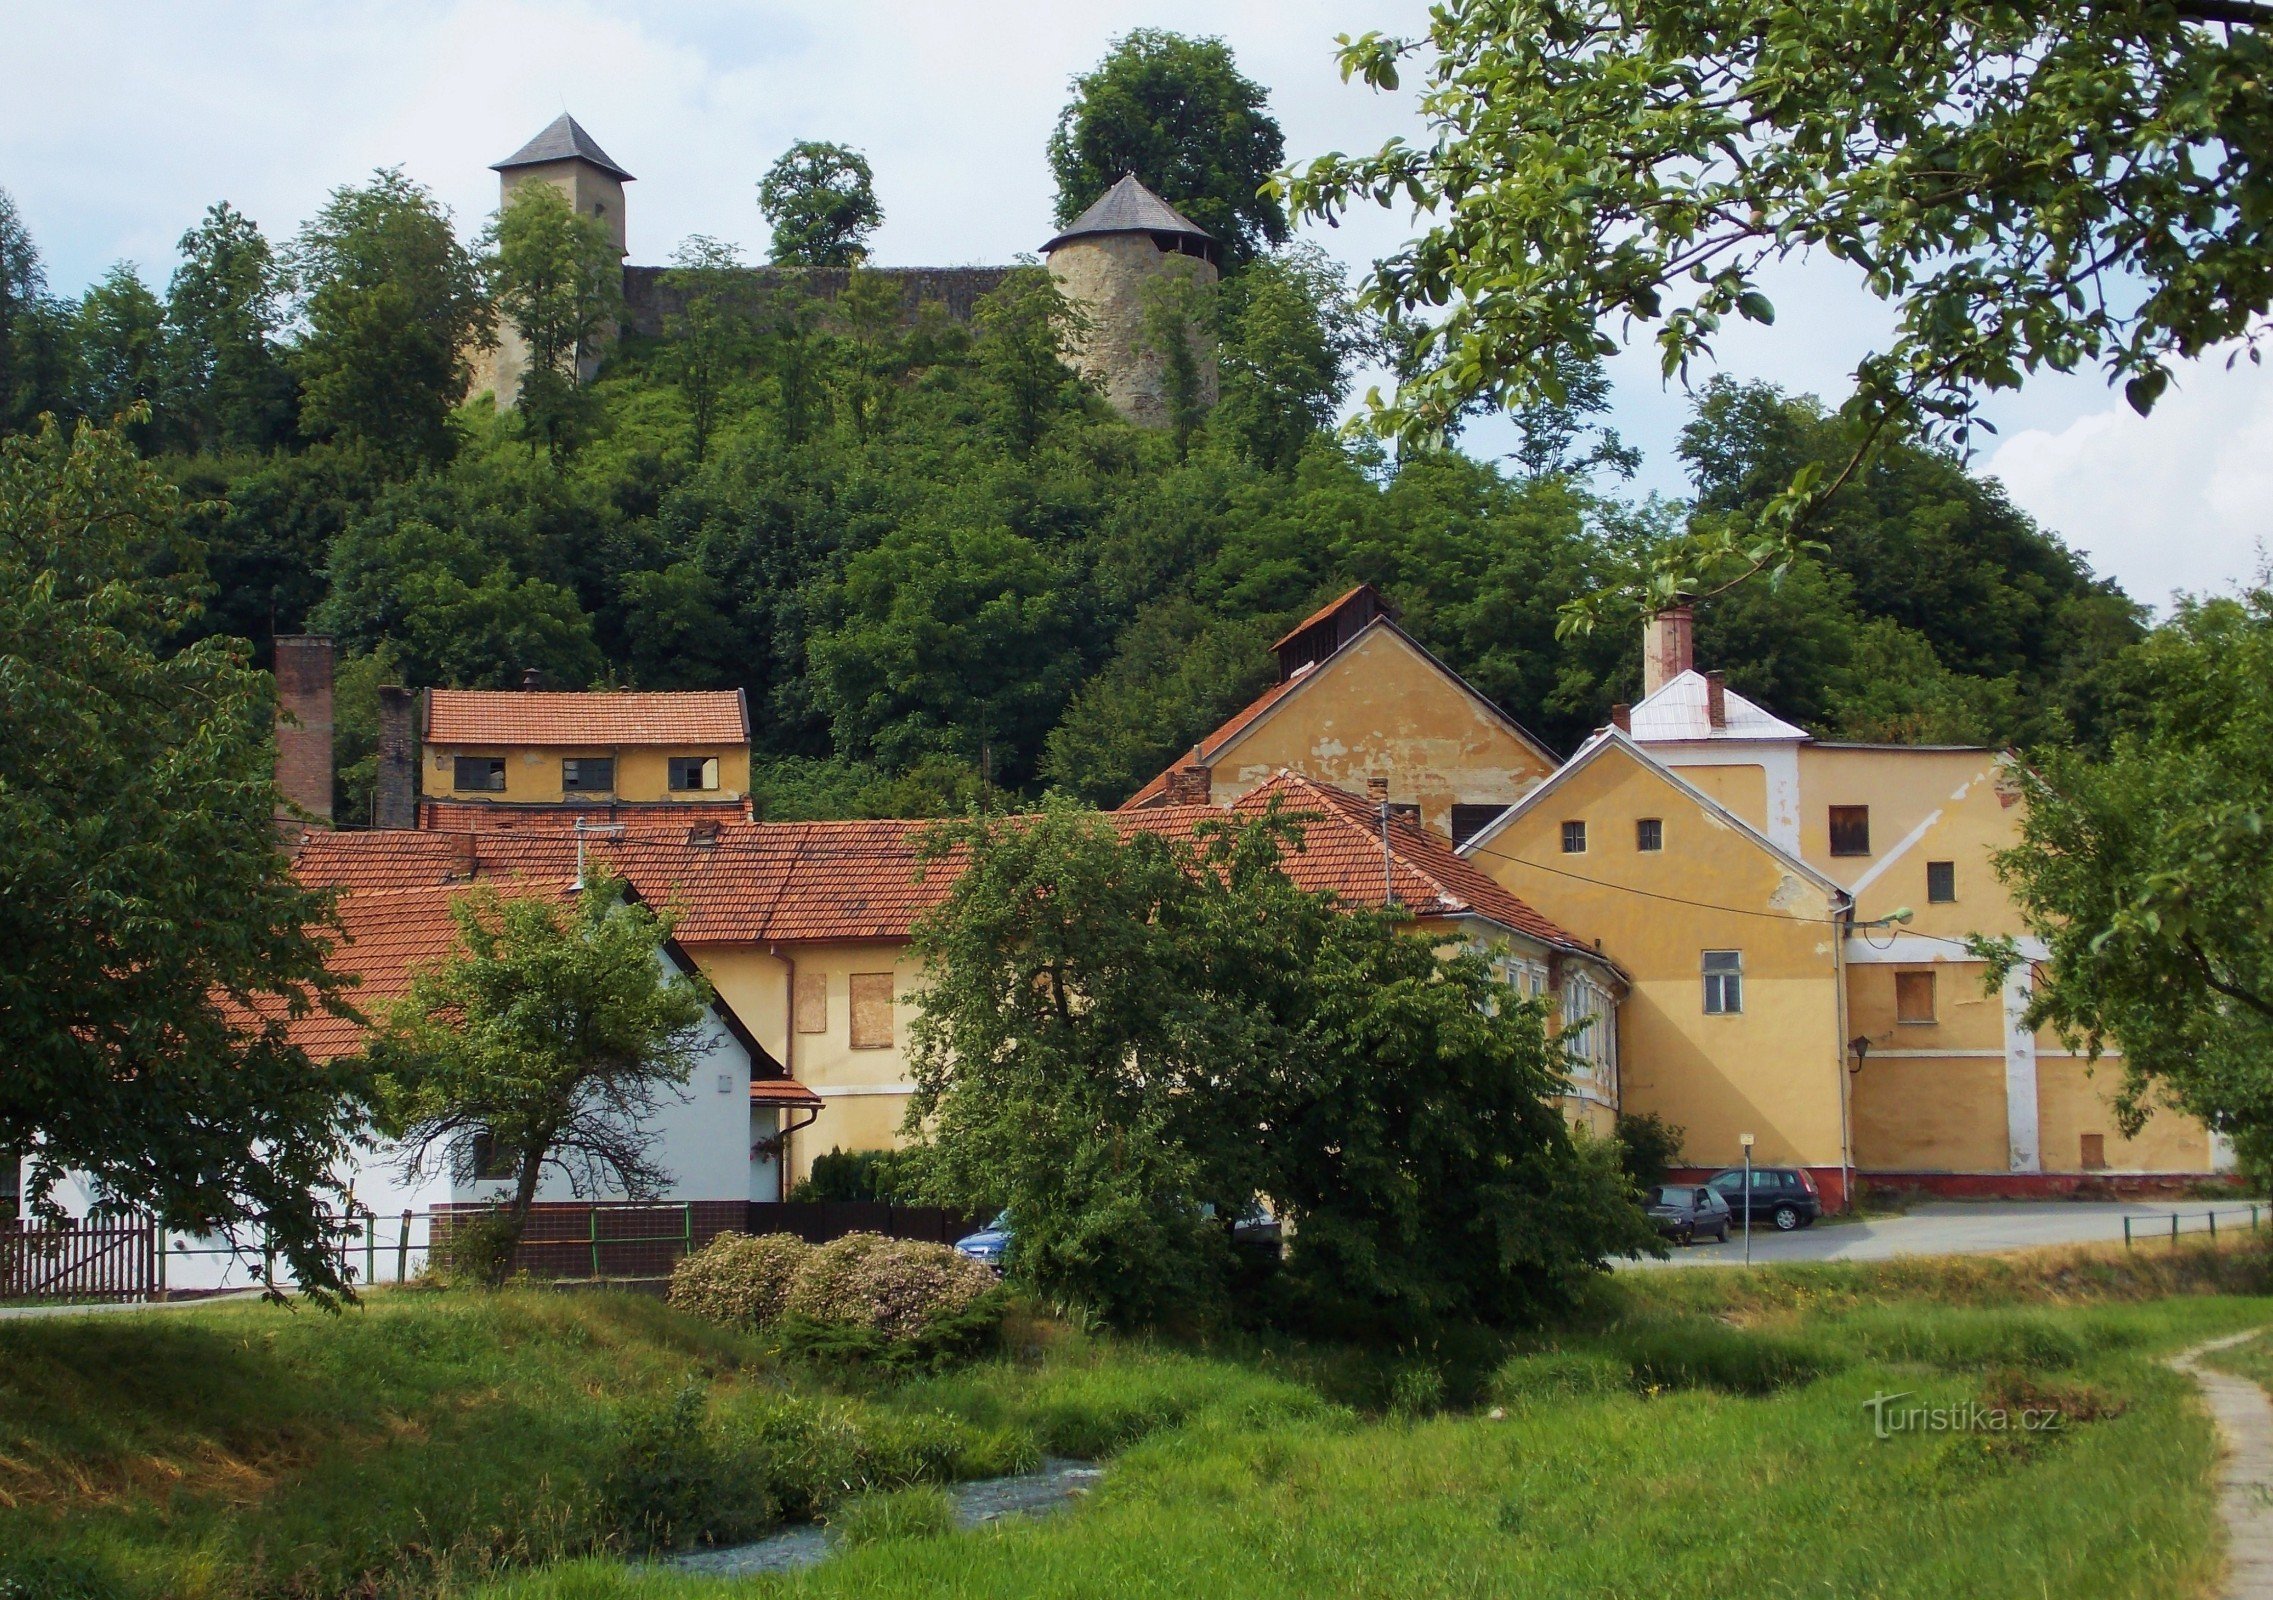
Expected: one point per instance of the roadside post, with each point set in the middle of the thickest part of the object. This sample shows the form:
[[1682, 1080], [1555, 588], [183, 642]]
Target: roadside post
[[1746, 1141]]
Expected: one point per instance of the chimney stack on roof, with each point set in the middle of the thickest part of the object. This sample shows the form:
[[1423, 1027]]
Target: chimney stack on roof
[[1716, 700], [532, 679], [394, 798], [303, 727], [1193, 783], [1622, 717], [1377, 790], [1668, 647]]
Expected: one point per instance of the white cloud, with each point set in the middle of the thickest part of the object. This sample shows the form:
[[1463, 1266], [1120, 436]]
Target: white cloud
[[2181, 499]]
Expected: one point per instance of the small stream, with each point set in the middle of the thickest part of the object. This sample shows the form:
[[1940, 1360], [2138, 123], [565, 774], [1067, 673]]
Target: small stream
[[977, 1503]]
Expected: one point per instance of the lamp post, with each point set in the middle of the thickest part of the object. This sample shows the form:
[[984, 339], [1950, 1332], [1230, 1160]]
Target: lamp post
[[1746, 1141]]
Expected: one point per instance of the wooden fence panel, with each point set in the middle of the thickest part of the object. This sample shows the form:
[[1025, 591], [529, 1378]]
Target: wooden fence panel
[[95, 1259]]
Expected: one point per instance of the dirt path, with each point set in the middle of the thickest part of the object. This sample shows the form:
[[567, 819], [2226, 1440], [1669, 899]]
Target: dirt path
[[2245, 1469]]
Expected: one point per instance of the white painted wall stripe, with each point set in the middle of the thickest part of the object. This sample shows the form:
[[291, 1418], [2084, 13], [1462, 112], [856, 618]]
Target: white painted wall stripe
[[2020, 1074]]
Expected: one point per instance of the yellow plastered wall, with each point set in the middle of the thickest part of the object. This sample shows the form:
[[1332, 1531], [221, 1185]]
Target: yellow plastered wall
[[864, 1091], [1775, 1070], [1925, 805], [1741, 788], [2074, 1098], [1382, 708], [1945, 1114], [532, 773]]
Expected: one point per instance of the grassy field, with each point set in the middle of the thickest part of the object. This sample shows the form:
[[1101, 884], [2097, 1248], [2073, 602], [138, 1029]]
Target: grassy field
[[1694, 1432]]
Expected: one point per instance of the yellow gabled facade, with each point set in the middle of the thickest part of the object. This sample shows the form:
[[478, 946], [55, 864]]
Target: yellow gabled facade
[[1720, 1061]]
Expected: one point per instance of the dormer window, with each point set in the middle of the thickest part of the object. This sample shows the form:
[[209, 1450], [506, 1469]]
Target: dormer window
[[693, 773]]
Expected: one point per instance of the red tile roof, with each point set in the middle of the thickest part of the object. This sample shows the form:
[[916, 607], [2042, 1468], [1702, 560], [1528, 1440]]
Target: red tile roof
[[646, 816], [613, 717]]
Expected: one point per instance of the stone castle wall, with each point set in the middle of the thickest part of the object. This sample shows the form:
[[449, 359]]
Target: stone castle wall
[[1106, 276]]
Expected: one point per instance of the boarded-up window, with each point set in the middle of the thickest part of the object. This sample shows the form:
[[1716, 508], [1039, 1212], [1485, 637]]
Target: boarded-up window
[[1468, 821], [1913, 997], [1850, 830], [812, 1002], [872, 1011], [2095, 1152]]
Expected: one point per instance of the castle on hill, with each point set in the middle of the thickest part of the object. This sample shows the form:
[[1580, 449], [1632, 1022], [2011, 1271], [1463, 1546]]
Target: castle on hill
[[1102, 262]]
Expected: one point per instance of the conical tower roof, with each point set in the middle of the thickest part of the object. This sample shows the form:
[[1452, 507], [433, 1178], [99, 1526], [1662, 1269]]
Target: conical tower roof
[[562, 140], [1129, 207]]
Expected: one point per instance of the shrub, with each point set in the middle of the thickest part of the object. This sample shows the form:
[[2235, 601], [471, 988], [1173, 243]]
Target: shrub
[[475, 1251], [675, 1482], [923, 1513], [1649, 1147], [739, 1279], [896, 1287], [851, 1175]]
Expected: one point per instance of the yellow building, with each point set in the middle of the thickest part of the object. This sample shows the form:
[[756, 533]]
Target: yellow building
[[1359, 703], [494, 757], [1793, 914]]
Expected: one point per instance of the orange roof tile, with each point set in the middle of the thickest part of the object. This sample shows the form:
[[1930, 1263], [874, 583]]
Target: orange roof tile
[[612, 717], [646, 816], [1213, 744]]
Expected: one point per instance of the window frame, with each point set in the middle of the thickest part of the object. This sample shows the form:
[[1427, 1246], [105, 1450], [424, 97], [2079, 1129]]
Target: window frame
[[495, 778], [704, 770], [579, 763], [1846, 820], [1946, 872], [1723, 985], [1574, 837], [1910, 977], [1649, 835]]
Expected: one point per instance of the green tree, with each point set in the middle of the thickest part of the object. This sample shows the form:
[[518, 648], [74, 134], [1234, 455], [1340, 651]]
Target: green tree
[[1551, 429], [118, 356], [557, 278], [32, 343], [1026, 330], [708, 327], [867, 366], [2147, 876], [1126, 1041], [231, 388], [1178, 326], [1291, 333], [821, 200], [550, 1037], [1179, 114], [157, 945], [393, 308], [1603, 167]]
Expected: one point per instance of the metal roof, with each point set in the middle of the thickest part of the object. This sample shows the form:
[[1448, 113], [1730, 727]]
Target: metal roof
[[1129, 207], [562, 140]]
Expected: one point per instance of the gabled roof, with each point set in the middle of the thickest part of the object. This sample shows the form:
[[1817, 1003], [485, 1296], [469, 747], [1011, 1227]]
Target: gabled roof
[[1682, 710], [1217, 744], [1129, 207], [609, 717], [563, 140], [1609, 739]]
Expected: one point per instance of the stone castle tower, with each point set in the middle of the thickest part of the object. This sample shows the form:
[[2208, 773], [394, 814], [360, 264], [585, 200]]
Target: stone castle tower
[[1103, 263], [569, 159]]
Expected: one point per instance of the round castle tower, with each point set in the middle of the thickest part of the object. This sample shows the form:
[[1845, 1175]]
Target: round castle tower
[[571, 160], [1103, 262]]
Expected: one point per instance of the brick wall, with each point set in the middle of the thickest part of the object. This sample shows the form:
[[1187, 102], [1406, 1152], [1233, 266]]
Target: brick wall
[[303, 722]]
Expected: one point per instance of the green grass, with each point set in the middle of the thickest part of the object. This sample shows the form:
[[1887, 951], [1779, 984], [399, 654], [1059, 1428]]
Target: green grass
[[1700, 1431]]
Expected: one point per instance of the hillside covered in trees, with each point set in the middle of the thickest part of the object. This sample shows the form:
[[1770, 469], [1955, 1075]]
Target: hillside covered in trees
[[942, 567]]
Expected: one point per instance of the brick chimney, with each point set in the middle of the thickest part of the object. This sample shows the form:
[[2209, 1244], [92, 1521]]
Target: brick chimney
[[303, 726], [1668, 647], [394, 798], [1622, 717], [1716, 700], [1193, 783], [1377, 791]]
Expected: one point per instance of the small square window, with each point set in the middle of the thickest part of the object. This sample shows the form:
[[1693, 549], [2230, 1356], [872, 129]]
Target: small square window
[[479, 774], [1649, 833], [1724, 983], [1913, 997], [1850, 830], [588, 775], [1941, 882], [694, 772], [490, 1161], [1574, 838], [2094, 1151]]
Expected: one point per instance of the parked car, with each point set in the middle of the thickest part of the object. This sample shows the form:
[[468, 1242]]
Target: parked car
[[1783, 1196], [1257, 1228], [990, 1243], [1683, 1211]]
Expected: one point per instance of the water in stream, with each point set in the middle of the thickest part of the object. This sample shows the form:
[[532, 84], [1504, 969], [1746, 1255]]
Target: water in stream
[[977, 1503]]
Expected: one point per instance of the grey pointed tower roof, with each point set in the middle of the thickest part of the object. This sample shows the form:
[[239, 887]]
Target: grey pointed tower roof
[[1129, 207], [562, 140]]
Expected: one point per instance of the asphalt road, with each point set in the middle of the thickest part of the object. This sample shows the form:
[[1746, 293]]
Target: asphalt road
[[1964, 1227]]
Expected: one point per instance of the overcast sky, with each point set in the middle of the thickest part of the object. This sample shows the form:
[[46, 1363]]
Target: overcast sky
[[120, 123]]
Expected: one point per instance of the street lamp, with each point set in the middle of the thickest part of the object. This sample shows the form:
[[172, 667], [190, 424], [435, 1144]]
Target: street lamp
[[1745, 1139]]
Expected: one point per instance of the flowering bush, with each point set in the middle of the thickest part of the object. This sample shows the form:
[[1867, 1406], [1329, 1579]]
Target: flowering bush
[[738, 1278], [896, 1287]]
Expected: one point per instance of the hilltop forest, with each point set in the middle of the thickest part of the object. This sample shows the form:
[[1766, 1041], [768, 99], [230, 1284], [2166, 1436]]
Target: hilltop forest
[[939, 565]]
